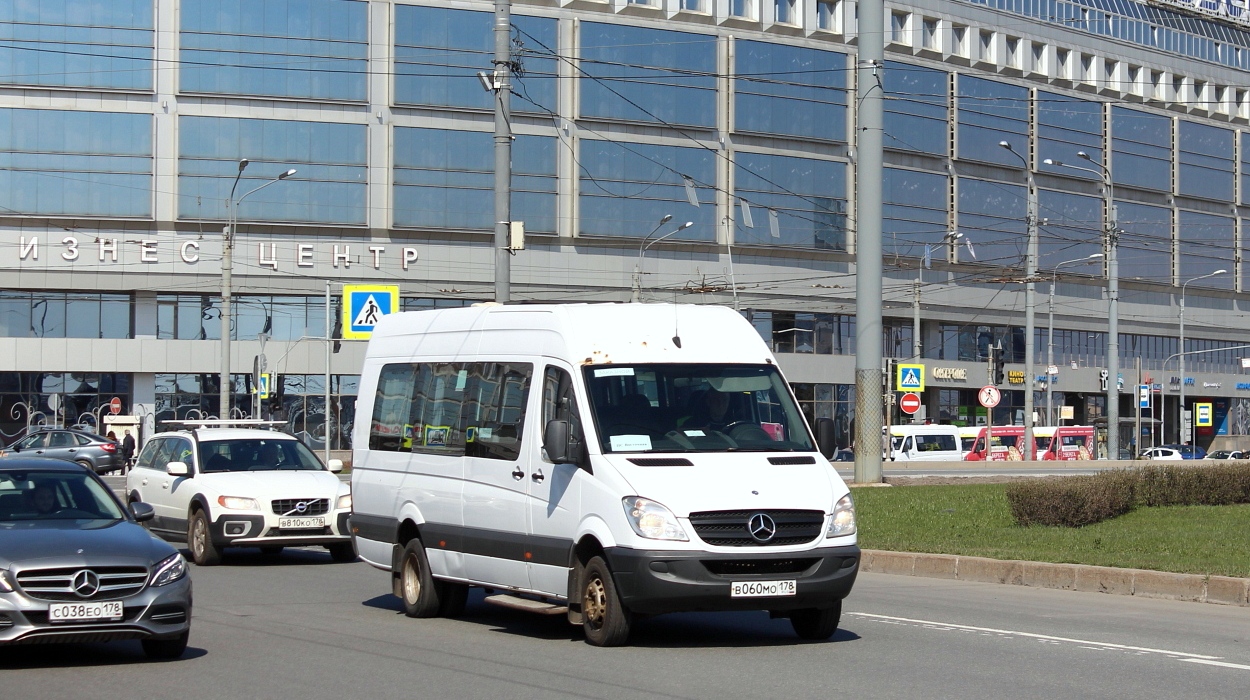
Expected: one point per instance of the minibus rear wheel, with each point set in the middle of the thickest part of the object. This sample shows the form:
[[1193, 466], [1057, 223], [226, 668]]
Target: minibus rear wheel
[[605, 621], [419, 592]]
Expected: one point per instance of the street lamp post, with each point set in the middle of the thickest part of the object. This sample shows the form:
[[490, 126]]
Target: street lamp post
[[1050, 332], [947, 240], [227, 256], [1030, 301], [1112, 246], [642, 248], [1181, 421]]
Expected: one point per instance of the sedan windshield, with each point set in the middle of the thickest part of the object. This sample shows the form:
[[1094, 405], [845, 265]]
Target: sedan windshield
[[257, 455], [54, 495], [695, 408]]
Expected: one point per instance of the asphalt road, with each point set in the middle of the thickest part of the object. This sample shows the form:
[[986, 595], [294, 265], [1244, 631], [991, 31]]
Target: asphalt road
[[300, 626]]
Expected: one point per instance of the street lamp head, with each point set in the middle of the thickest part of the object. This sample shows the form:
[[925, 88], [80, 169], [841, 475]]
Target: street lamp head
[[954, 236], [1051, 161], [665, 219], [1218, 272], [1005, 145], [1083, 154], [1095, 256], [685, 226], [287, 174], [243, 162]]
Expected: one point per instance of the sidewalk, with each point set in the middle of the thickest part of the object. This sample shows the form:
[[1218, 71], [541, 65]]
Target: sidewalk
[[1220, 590]]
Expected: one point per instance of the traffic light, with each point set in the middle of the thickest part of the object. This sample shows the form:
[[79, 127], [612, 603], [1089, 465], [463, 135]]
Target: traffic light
[[999, 361]]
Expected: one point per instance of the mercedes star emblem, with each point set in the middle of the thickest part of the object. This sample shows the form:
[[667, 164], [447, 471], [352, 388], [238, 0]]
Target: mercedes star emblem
[[762, 527], [85, 583]]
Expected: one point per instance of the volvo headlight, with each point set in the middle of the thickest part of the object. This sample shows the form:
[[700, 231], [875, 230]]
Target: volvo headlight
[[237, 503], [344, 502], [652, 520], [842, 522], [169, 570]]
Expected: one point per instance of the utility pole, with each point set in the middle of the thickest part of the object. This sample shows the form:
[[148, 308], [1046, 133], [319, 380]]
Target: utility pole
[[869, 84], [989, 410], [1030, 301], [502, 85]]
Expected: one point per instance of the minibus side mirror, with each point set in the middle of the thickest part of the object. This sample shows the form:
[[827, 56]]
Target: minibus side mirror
[[561, 446], [825, 437]]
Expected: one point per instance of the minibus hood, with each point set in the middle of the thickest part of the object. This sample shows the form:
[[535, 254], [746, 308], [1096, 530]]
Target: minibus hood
[[731, 481]]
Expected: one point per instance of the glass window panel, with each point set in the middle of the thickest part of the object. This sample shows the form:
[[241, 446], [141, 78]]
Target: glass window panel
[[1066, 125], [1074, 228], [48, 317], [1206, 245], [916, 115], [442, 179], [15, 319], [807, 197], [77, 43], [1145, 250], [73, 163], [914, 211], [1206, 161], [648, 75], [438, 53], [990, 112], [992, 217], [627, 189], [82, 316], [330, 162], [789, 90], [1142, 152], [285, 48]]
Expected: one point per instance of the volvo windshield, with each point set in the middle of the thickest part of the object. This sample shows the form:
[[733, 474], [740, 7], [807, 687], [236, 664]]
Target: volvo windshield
[[695, 408]]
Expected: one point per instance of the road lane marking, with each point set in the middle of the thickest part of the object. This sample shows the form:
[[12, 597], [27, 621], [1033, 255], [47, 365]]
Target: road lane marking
[[1180, 655], [1224, 664]]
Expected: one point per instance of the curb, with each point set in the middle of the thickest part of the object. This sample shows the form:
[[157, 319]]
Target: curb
[[1218, 590]]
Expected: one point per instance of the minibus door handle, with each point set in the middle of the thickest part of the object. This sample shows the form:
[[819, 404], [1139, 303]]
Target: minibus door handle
[[538, 477], [518, 474]]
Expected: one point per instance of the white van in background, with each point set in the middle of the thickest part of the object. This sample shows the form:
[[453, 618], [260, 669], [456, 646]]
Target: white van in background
[[925, 443], [600, 461]]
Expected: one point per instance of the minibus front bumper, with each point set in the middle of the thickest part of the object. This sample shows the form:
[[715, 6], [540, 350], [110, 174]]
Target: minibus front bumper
[[657, 581]]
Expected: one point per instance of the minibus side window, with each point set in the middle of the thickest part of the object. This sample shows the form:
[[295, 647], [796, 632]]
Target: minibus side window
[[560, 402], [495, 409]]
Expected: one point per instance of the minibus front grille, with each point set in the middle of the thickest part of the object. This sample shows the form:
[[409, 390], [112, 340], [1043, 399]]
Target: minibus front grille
[[732, 528], [758, 567]]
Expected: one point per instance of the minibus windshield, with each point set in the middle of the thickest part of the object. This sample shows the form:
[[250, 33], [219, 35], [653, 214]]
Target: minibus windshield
[[695, 408]]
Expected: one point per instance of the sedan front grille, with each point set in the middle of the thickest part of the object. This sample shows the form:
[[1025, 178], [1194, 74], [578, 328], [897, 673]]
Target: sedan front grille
[[290, 506], [5, 621], [731, 528], [58, 584]]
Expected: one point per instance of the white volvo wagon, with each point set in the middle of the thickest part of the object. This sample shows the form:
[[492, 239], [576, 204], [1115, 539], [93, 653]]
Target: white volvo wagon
[[219, 487]]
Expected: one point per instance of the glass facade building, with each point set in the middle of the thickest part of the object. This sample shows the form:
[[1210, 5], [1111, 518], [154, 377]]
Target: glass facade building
[[629, 119]]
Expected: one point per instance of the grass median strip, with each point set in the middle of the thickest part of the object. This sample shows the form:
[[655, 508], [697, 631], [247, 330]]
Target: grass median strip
[[975, 520]]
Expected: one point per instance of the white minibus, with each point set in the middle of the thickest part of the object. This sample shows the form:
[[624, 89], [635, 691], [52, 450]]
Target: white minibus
[[600, 461]]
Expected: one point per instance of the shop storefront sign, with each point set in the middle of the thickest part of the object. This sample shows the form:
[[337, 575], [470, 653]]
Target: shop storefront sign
[[953, 373], [1015, 376]]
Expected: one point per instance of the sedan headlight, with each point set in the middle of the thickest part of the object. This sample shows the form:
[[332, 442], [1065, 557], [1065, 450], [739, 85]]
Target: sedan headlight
[[842, 522], [5, 586], [652, 520], [344, 502], [237, 503], [169, 570]]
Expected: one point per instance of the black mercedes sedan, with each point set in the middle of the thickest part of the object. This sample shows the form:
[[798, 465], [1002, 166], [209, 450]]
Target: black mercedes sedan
[[76, 566]]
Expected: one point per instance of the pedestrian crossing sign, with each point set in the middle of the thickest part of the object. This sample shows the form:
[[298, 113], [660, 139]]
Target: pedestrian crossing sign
[[263, 386], [364, 305], [909, 378]]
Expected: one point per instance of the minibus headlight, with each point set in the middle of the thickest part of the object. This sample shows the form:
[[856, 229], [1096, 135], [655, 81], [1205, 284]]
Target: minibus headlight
[[652, 520], [842, 522]]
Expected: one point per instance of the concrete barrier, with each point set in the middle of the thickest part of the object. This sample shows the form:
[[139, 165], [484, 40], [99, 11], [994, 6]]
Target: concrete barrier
[[1219, 590]]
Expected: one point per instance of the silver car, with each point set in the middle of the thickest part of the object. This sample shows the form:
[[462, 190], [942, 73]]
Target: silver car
[[75, 565], [88, 449]]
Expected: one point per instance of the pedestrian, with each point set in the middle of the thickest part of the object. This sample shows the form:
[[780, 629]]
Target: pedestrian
[[128, 448], [111, 436]]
